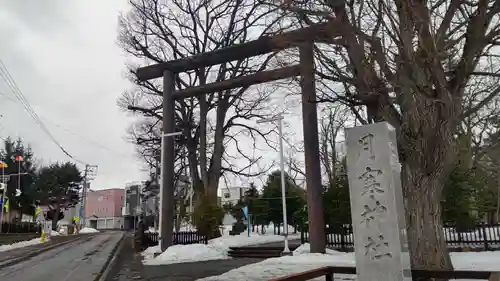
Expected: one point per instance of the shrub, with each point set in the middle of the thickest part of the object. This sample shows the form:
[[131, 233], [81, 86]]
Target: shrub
[[208, 217]]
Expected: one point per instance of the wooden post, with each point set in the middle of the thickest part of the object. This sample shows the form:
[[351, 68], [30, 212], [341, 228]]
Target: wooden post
[[167, 173], [311, 146]]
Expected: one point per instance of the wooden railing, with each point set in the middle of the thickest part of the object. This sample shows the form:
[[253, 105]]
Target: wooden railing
[[329, 271]]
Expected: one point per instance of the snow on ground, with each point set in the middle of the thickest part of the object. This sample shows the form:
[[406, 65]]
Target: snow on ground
[[188, 253], [21, 244], [88, 230], [303, 261], [215, 249]]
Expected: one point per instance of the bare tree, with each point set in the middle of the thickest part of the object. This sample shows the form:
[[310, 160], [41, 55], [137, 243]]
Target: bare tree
[[419, 65], [334, 121], [158, 31]]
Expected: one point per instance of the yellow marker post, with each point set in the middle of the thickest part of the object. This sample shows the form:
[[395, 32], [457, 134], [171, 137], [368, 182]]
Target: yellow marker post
[[42, 237], [76, 219]]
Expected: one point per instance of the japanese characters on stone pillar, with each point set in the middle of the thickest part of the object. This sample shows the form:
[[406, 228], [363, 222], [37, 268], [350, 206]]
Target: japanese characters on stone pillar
[[377, 203]]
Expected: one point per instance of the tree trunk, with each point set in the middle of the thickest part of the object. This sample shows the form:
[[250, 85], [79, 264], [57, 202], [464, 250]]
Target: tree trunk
[[55, 219], [426, 239], [203, 130], [215, 170]]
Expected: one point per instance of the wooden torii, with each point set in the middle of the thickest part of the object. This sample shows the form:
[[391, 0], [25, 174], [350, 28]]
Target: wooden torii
[[304, 39]]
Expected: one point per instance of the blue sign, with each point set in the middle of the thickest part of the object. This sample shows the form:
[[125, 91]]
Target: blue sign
[[245, 211], [247, 216]]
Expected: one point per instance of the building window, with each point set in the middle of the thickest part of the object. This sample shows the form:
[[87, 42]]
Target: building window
[[100, 198]]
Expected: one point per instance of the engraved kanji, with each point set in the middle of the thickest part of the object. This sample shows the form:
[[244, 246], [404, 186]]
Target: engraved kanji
[[366, 143], [370, 181], [377, 248], [370, 212]]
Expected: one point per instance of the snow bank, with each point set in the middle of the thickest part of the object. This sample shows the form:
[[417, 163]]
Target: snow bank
[[88, 230], [188, 253], [306, 249], [21, 244], [303, 261], [216, 249], [276, 267], [243, 239], [150, 252]]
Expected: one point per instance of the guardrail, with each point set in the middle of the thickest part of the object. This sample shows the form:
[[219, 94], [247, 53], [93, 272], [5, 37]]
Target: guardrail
[[329, 271]]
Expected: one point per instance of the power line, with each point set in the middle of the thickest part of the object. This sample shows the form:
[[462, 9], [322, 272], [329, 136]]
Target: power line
[[11, 83], [93, 142]]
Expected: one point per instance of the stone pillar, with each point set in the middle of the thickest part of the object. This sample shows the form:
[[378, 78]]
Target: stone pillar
[[377, 206]]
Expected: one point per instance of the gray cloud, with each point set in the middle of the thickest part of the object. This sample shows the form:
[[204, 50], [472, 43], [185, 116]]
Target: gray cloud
[[63, 56]]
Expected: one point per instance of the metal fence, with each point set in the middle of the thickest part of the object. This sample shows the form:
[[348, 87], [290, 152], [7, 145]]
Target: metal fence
[[179, 238], [484, 236], [20, 227]]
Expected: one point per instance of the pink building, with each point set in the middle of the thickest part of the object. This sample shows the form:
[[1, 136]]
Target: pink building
[[103, 208]]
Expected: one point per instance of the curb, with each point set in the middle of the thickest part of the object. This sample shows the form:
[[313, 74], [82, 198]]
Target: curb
[[38, 252], [111, 261]]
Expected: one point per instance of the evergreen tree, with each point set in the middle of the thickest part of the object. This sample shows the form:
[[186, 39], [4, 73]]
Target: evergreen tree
[[21, 168], [295, 198], [58, 185], [257, 206]]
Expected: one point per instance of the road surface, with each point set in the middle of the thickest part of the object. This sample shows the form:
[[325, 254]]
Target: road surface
[[82, 260]]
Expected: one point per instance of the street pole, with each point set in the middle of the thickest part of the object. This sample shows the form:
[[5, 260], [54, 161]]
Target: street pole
[[4, 189], [166, 193], [84, 196], [279, 119], [155, 208]]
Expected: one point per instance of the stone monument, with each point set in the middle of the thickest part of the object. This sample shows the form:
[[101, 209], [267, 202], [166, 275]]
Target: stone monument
[[377, 206]]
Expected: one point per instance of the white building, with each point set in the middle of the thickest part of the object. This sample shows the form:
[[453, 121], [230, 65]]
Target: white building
[[232, 194]]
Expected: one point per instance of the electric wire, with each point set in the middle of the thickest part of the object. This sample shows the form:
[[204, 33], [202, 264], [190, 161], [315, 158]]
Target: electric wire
[[11, 83]]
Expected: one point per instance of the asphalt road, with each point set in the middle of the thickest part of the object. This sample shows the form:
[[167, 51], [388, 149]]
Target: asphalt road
[[78, 261]]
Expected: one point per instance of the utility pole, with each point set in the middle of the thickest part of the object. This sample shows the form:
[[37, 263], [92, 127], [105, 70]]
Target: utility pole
[[90, 171]]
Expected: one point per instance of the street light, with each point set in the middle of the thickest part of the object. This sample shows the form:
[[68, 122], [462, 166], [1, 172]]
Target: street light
[[162, 164], [279, 119]]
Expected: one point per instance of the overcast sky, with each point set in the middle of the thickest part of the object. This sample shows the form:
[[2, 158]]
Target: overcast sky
[[64, 58]]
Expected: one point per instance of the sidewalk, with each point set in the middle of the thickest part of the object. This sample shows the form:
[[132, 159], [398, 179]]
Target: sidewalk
[[129, 267]]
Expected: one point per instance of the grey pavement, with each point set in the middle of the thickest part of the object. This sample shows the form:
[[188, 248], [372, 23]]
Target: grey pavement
[[77, 261]]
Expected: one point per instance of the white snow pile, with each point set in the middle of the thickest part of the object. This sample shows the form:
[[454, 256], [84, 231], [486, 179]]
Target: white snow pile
[[216, 249], [306, 249], [21, 244], [188, 253], [149, 252], [88, 230], [303, 261], [243, 239]]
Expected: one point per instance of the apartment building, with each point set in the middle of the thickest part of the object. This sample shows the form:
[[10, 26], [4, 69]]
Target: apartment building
[[103, 208]]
